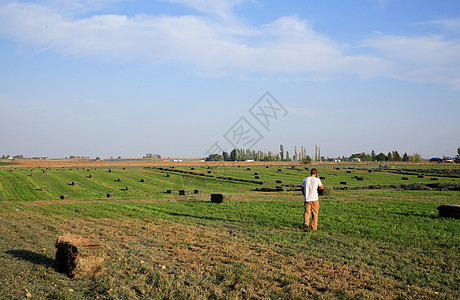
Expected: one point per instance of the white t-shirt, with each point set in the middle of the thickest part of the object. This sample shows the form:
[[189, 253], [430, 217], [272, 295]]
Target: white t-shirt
[[311, 184]]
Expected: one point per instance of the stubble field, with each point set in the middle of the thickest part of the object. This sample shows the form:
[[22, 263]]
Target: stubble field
[[379, 234]]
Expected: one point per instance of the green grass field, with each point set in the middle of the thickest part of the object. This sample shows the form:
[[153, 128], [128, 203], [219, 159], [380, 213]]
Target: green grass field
[[371, 243]]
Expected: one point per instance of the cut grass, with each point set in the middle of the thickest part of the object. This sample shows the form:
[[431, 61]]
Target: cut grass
[[370, 244]]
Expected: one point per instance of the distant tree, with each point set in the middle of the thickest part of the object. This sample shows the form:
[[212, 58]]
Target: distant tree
[[307, 160], [287, 156], [415, 157], [214, 157], [405, 157], [396, 156], [225, 156], [389, 157], [457, 159], [282, 152], [373, 156], [381, 157], [295, 153]]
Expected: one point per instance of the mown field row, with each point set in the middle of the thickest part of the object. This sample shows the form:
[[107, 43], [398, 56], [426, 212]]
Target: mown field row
[[145, 183]]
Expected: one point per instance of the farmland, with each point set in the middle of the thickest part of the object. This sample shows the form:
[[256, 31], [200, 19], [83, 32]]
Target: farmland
[[379, 233]]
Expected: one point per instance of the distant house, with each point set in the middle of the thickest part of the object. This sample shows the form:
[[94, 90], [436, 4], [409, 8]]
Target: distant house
[[355, 159], [435, 159]]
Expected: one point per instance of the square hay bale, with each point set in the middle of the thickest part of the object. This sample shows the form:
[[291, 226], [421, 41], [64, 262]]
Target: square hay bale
[[143, 180], [343, 182], [217, 198], [64, 196], [449, 211], [127, 188], [405, 178], [110, 195], [196, 191], [279, 181], [43, 188], [77, 256], [74, 183], [184, 192], [170, 191], [256, 177]]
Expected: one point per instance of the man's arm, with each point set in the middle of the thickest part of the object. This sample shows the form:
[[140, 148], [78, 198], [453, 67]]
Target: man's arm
[[303, 191]]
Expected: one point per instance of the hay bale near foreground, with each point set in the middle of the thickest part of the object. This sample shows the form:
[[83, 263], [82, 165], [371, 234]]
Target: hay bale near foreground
[[449, 211], [217, 198], [77, 256]]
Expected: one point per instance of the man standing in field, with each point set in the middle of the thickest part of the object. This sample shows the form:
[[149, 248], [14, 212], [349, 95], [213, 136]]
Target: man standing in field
[[311, 202]]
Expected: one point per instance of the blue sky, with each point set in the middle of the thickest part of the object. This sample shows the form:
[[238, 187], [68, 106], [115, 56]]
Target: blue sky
[[115, 78]]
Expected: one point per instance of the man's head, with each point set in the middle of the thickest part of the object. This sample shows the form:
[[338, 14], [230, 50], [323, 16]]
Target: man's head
[[313, 172]]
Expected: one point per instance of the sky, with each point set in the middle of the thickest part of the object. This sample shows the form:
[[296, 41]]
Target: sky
[[187, 78]]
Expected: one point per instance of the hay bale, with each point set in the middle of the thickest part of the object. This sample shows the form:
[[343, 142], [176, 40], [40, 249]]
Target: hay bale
[[405, 178], [322, 177], [449, 211], [91, 176], [217, 198], [196, 191], [127, 188], [433, 178], [43, 188], [256, 177], [143, 180], [110, 195], [64, 197], [77, 256], [361, 178], [343, 182], [209, 172], [249, 169], [170, 191], [184, 192], [168, 175], [279, 181], [119, 180], [74, 183], [420, 176], [280, 170], [349, 172], [255, 173]]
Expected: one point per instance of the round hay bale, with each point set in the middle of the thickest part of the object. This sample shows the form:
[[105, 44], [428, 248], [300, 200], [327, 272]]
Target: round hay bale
[[267, 167], [110, 171], [349, 172], [91, 176], [449, 211], [168, 175], [370, 171], [255, 173], [127, 188], [279, 188], [280, 170], [119, 180], [322, 177], [77, 256], [209, 172], [361, 178], [64, 197], [249, 169], [217, 198]]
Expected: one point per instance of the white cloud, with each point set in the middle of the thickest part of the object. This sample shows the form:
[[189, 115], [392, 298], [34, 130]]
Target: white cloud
[[222, 44], [421, 59]]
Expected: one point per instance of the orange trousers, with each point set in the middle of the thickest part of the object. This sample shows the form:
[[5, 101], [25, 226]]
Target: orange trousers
[[311, 207]]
